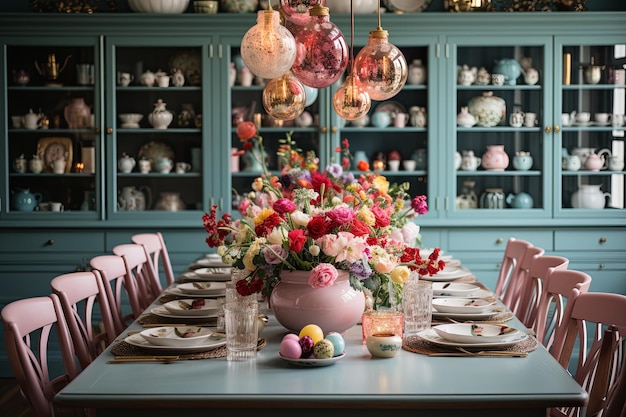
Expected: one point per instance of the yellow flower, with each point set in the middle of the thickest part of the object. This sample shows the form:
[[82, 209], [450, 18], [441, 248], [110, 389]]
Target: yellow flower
[[255, 247], [381, 184], [366, 215], [400, 274], [264, 214]]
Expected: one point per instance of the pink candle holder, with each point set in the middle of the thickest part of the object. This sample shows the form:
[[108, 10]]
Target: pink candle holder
[[382, 321]]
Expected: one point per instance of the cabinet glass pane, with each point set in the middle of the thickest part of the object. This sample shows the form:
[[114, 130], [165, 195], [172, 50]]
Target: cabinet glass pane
[[501, 164], [51, 102], [393, 137], [593, 101], [165, 145]]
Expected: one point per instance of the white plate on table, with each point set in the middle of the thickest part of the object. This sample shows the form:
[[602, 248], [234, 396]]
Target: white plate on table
[[210, 307], [178, 293], [213, 274], [182, 336], [202, 288], [164, 312], [447, 274], [431, 335], [478, 333], [467, 316], [453, 289], [216, 263], [462, 305], [138, 341], [313, 363]]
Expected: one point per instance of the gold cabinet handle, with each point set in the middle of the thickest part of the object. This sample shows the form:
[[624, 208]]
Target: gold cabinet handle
[[602, 240], [557, 129], [548, 129], [50, 242], [109, 130], [333, 129], [601, 266], [97, 130], [323, 130], [499, 240]]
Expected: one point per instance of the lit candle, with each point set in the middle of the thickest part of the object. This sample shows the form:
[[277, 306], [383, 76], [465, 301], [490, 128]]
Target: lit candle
[[382, 321]]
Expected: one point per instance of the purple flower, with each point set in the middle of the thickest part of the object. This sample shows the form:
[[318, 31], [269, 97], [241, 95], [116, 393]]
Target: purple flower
[[360, 270], [334, 170], [274, 255]]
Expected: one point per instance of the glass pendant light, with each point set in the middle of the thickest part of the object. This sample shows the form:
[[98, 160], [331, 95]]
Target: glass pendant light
[[297, 11], [380, 66], [351, 101], [321, 50], [268, 49], [284, 97]]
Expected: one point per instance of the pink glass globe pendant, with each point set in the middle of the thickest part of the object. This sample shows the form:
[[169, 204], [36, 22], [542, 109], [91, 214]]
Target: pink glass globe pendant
[[380, 67], [297, 11], [284, 98], [321, 50], [268, 49]]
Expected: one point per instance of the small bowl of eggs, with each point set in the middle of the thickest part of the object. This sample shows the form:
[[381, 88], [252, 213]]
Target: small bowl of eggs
[[310, 348]]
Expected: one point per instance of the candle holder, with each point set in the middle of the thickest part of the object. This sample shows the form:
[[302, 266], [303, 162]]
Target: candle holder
[[382, 321]]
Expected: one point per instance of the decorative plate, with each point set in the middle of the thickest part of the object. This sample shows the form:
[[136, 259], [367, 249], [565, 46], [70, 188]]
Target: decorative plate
[[483, 315], [431, 335], [478, 333], [391, 107], [453, 289], [203, 288], [182, 336], [313, 363], [216, 263], [161, 311], [461, 305], [212, 274], [408, 6], [448, 274], [49, 149], [177, 307], [190, 64], [155, 151], [138, 341]]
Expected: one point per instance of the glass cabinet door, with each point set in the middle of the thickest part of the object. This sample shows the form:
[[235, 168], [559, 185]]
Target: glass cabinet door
[[52, 129], [589, 158], [159, 113], [500, 106]]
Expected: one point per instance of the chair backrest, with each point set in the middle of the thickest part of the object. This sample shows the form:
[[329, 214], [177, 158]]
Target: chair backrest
[[560, 288], [139, 267], [119, 287], [513, 254], [519, 276], [592, 336], [79, 292], [531, 288], [158, 254], [29, 325]]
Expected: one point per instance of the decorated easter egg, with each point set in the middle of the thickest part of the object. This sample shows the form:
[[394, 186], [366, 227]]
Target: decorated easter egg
[[339, 344], [292, 336], [306, 344], [313, 331], [290, 348], [323, 349]]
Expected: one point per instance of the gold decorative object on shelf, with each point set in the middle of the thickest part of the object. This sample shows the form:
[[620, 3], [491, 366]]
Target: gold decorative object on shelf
[[74, 6]]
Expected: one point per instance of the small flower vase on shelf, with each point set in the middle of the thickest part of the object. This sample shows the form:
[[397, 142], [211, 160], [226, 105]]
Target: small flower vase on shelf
[[252, 160], [335, 308]]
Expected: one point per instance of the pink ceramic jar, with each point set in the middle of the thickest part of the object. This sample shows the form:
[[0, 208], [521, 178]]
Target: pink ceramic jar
[[495, 159]]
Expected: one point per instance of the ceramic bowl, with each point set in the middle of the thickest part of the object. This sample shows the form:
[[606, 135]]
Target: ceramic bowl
[[131, 119], [176, 336], [461, 305], [206, 6], [383, 345], [210, 307], [158, 6], [476, 332]]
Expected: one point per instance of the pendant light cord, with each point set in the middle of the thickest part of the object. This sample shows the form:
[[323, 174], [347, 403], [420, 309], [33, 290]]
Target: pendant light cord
[[351, 37]]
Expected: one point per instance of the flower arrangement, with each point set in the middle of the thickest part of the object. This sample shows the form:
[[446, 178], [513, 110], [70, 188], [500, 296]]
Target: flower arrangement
[[321, 221]]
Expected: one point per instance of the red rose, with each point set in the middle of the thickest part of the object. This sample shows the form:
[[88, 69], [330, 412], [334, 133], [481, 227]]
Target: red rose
[[297, 239], [317, 227], [246, 131]]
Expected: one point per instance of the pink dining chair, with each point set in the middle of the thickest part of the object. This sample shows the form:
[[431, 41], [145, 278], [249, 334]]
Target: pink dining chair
[[591, 338], [139, 267], [530, 289], [158, 254], [119, 287], [513, 254], [79, 293], [560, 288], [519, 277], [28, 328]]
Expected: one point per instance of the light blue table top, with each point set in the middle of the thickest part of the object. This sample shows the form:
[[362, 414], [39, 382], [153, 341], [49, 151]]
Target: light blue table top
[[459, 386]]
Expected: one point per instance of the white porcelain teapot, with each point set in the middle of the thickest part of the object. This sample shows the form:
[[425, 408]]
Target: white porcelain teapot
[[589, 196], [148, 78]]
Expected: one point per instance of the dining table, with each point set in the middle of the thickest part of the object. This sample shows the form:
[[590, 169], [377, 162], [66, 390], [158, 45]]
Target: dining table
[[407, 384]]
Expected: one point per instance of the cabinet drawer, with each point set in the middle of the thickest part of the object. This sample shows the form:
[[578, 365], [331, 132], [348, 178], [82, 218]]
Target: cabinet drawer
[[51, 241], [595, 239], [496, 239]]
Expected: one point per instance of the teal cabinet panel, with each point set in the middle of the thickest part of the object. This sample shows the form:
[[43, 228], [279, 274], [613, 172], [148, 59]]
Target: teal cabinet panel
[[594, 239], [50, 241], [494, 240]]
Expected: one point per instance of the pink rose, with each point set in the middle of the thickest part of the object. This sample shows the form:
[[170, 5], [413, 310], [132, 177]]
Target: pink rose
[[284, 205], [323, 275]]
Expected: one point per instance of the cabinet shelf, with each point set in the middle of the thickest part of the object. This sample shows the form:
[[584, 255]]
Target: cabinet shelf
[[172, 174], [159, 131], [489, 87], [143, 88], [497, 129], [50, 175], [461, 173], [591, 173]]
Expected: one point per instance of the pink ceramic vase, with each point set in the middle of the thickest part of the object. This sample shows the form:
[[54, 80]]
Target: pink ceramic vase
[[335, 308], [495, 159], [77, 113]]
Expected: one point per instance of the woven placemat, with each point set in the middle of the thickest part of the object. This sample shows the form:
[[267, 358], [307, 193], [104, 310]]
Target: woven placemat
[[418, 345], [123, 348]]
